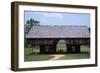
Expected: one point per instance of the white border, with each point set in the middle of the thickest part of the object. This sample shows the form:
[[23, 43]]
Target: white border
[[23, 64]]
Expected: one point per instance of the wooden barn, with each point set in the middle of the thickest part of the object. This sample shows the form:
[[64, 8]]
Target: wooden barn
[[46, 37]]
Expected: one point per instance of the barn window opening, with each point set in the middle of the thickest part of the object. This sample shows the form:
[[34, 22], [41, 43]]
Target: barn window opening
[[61, 46], [85, 48]]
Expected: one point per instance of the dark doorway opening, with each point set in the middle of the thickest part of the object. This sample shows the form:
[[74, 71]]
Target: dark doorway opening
[[73, 48], [47, 49]]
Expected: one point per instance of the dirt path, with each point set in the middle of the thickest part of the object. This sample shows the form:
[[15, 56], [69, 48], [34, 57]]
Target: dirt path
[[56, 57]]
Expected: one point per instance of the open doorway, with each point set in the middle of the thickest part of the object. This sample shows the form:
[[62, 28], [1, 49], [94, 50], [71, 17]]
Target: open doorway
[[73, 48], [61, 46]]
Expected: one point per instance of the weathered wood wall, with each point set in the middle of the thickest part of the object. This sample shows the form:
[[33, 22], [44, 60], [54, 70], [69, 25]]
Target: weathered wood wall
[[49, 45]]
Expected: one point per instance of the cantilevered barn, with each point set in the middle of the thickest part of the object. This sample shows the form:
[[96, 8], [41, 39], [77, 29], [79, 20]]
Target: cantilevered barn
[[47, 37]]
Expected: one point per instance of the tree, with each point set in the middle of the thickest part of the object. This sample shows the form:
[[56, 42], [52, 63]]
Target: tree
[[27, 27], [29, 24], [89, 29]]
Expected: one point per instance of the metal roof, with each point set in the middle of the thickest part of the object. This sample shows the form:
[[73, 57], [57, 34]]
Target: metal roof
[[58, 31]]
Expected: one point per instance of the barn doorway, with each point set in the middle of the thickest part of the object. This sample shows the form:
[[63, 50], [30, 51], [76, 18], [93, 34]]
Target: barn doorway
[[61, 46], [47, 49], [73, 48]]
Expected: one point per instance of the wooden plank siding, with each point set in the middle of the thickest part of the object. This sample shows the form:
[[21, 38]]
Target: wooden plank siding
[[78, 41]]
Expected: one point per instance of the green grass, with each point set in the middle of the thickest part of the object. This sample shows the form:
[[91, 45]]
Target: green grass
[[75, 56], [29, 56], [37, 57], [32, 54]]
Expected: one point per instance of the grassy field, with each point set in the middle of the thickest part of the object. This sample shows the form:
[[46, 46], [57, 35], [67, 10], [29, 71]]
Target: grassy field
[[29, 55], [75, 56]]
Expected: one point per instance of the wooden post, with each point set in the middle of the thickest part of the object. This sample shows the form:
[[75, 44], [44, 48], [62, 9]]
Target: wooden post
[[32, 50]]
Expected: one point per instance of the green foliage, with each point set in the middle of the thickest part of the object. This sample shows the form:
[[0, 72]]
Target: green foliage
[[29, 24], [27, 27], [61, 47]]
